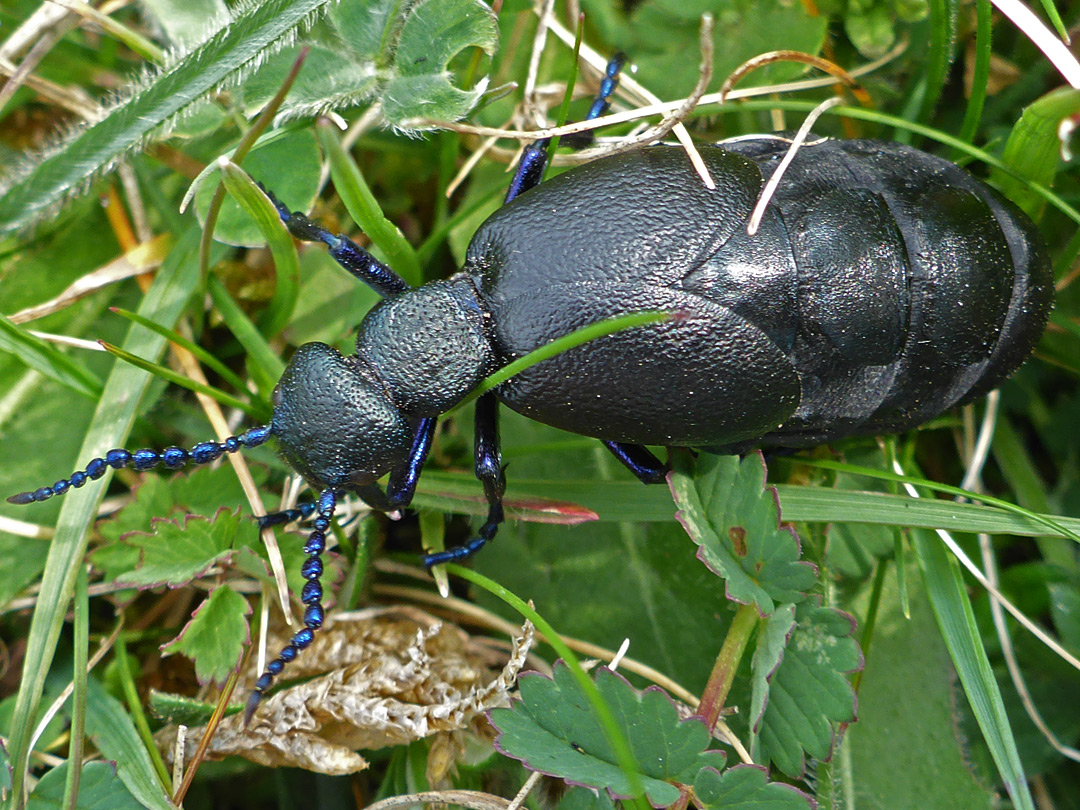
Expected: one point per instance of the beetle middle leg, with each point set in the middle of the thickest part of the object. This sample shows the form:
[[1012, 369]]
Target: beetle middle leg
[[489, 470]]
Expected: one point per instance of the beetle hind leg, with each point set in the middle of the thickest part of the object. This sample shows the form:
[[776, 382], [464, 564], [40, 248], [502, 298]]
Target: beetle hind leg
[[534, 158], [642, 463]]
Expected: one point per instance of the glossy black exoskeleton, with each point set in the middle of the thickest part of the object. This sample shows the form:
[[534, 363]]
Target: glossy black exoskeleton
[[884, 286]]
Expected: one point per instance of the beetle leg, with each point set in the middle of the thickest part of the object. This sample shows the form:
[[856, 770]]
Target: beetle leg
[[310, 596], [343, 250], [302, 511], [534, 159], [402, 485], [647, 467], [488, 465]]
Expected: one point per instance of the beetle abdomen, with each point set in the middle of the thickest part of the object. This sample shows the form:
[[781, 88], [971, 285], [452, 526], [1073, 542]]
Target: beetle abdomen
[[883, 287], [918, 287]]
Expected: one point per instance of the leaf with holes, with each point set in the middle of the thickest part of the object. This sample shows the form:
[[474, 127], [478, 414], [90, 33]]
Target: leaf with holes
[[800, 692], [215, 637], [175, 554], [398, 54], [734, 518], [552, 730], [746, 787]]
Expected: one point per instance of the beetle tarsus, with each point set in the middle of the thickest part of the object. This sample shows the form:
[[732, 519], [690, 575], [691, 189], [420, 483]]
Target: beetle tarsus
[[301, 512]]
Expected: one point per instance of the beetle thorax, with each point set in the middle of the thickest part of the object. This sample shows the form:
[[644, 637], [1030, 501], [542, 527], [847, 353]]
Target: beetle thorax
[[429, 346]]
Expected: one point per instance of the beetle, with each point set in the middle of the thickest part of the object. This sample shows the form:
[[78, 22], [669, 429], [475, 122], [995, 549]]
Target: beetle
[[883, 287]]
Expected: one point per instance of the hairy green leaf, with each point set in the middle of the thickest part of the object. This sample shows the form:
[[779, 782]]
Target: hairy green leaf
[[553, 730], [149, 107]]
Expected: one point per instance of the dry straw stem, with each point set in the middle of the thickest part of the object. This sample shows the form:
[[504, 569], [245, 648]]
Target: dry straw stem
[[657, 108]]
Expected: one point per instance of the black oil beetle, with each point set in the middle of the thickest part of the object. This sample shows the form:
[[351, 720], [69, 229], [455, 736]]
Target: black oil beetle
[[884, 286]]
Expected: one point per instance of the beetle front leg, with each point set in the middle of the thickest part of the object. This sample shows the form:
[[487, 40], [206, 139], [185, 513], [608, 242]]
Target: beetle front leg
[[342, 249], [402, 484], [488, 466], [638, 460]]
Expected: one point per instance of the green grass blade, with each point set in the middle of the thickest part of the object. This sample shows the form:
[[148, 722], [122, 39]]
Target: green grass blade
[[47, 359], [287, 265], [943, 19], [153, 105], [266, 366], [171, 290], [166, 373], [579, 336], [198, 351], [629, 501], [883, 475], [365, 210], [956, 620], [980, 72]]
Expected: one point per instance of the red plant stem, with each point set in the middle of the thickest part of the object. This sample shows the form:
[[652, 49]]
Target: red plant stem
[[727, 664]]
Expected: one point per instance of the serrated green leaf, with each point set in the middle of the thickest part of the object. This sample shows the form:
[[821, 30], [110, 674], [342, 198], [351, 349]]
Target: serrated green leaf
[[577, 798], [154, 104], [746, 787], [772, 638], [734, 518], [552, 730], [807, 693], [175, 554], [215, 637], [100, 788]]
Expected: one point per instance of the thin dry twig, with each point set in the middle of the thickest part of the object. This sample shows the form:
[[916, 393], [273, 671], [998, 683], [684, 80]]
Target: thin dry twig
[[997, 595], [767, 192], [473, 799], [658, 108], [467, 611], [769, 57]]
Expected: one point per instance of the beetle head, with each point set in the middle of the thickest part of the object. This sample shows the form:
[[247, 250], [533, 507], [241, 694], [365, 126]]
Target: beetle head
[[334, 422]]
